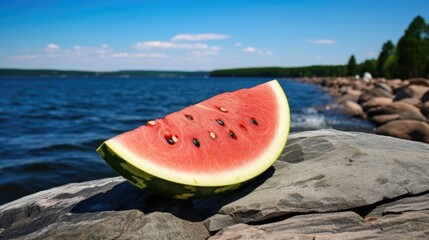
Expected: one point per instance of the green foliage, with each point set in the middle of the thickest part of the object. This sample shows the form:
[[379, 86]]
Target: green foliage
[[352, 67], [390, 66], [276, 72], [413, 50], [387, 51], [369, 65]]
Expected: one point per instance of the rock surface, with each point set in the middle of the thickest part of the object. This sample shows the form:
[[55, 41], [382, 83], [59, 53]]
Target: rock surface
[[326, 184]]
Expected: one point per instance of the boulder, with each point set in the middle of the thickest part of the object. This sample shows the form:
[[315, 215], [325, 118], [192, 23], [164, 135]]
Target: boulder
[[383, 86], [376, 102], [393, 108], [396, 84], [367, 94], [348, 97], [425, 109], [406, 129], [323, 184], [384, 118], [425, 97], [411, 91], [412, 101], [419, 81], [353, 109]]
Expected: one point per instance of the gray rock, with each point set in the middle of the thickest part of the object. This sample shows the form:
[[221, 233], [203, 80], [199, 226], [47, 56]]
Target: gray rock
[[318, 173], [342, 225], [406, 218], [101, 209], [417, 203], [328, 170]]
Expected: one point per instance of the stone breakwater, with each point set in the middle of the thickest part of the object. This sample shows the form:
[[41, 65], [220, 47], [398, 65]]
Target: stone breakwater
[[326, 184], [398, 108]]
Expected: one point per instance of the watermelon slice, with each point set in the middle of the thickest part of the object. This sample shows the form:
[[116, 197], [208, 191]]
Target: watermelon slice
[[205, 149]]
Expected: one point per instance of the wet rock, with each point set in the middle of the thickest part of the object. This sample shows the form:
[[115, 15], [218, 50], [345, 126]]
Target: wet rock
[[406, 129]]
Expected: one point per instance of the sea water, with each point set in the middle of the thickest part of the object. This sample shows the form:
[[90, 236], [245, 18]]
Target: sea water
[[50, 127]]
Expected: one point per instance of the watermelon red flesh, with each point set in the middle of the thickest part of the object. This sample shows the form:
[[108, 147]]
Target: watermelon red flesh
[[206, 153]]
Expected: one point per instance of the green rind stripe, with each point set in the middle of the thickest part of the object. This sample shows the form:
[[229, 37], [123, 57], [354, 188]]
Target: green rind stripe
[[157, 185]]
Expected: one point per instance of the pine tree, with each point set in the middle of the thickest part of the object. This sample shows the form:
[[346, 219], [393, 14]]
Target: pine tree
[[352, 69]]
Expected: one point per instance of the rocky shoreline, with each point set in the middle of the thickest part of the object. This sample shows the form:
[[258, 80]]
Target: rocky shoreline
[[326, 184], [398, 108]]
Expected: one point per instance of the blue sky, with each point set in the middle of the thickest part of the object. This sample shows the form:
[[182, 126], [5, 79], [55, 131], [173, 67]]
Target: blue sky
[[197, 35]]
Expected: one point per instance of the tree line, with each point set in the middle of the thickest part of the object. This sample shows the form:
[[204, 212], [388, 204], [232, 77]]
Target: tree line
[[407, 59]]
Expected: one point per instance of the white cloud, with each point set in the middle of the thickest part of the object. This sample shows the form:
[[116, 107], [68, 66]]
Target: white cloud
[[257, 51], [138, 55], [52, 47], [154, 44], [149, 45], [199, 37], [249, 49], [237, 44], [322, 41]]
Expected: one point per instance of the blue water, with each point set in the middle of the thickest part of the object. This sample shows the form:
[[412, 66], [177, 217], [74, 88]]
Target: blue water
[[50, 127]]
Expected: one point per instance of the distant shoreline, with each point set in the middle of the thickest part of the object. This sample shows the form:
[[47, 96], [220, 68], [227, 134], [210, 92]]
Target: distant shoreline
[[76, 73]]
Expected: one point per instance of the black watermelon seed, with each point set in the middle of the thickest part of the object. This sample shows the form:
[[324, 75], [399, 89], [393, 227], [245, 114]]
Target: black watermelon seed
[[190, 117], [170, 141], [220, 122], [232, 134], [254, 121], [196, 142]]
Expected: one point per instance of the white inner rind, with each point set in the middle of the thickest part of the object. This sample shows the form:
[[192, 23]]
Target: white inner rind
[[240, 174]]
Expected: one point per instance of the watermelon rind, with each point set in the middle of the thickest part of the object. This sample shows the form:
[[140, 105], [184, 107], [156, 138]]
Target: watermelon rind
[[188, 185], [157, 185]]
